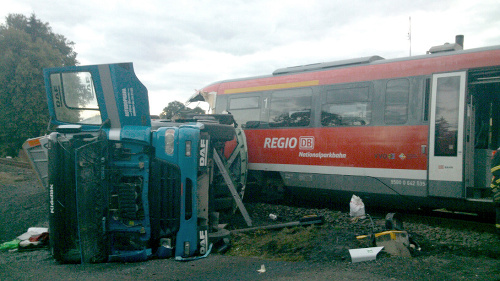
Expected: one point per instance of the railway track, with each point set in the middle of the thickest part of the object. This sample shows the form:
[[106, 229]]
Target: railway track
[[437, 218], [447, 253], [437, 233], [12, 162], [445, 224]]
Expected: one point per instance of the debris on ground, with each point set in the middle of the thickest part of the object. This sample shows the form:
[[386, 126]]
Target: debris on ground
[[470, 249], [357, 208], [10, 245], [35, 237], [364, 254]]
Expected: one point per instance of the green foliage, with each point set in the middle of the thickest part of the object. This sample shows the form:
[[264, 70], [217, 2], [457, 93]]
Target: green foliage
[[177, 109], [27, 45]]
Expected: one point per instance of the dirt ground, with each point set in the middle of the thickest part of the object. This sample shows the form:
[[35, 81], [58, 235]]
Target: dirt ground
[[449, 252]]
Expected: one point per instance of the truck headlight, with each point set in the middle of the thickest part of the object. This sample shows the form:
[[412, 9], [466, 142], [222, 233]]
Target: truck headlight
[[169, 141], [188, 148]]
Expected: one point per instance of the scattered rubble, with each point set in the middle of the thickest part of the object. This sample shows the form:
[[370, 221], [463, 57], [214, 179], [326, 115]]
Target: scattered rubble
[[472, 253]]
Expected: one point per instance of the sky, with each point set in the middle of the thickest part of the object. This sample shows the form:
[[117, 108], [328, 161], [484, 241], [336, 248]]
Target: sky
[[180, 46]]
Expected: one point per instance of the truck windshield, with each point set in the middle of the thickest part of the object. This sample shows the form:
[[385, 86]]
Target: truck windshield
[[74, 98]]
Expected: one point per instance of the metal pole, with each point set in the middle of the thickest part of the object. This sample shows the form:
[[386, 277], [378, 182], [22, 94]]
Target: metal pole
[[409, 36]]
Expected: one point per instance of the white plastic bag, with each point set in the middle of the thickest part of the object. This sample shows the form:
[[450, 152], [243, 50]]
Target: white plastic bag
[[357, 207], [32, 231]]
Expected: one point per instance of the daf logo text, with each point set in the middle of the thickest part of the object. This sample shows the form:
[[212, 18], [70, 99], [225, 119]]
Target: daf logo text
[[203, 152]]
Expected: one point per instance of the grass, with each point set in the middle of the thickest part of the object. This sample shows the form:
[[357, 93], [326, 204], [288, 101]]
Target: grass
[[288, 244], [7, 178]]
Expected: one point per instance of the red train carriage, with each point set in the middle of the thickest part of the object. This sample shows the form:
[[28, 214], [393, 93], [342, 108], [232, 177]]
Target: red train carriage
[[421, 127]]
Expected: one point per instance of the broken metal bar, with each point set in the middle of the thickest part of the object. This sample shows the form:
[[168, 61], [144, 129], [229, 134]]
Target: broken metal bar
[[231, 187], [302, 222]]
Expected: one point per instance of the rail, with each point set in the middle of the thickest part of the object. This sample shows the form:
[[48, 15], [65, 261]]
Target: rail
[[12, 162]]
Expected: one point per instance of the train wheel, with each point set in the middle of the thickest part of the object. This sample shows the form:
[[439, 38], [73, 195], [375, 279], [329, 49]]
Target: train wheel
[[273, 190]]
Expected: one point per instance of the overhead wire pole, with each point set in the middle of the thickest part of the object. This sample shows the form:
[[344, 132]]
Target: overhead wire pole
[[409, 35]]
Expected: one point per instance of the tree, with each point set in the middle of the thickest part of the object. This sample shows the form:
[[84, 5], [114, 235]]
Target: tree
[[27, 45], [177, 109]]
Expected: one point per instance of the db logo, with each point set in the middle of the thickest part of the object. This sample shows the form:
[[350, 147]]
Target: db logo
[[306, 143]]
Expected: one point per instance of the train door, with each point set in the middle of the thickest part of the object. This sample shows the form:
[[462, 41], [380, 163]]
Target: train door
[[483, 122], [446, 149]]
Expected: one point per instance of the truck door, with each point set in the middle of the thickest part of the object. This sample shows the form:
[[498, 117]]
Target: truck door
[[91, 95], [446, 148]]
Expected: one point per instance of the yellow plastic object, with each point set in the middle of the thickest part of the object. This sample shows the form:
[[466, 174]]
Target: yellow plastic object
[[396, 235], [381, 237]]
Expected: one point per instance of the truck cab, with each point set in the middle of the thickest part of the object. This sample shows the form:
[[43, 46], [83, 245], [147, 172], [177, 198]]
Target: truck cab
[[124, 188]]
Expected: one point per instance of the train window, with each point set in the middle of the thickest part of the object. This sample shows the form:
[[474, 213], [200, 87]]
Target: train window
[[221, 104], [427, 95], [396, 101], [290, 108], [346, 95], [447, 112], [244, 103], [346, 107], [245, 109]]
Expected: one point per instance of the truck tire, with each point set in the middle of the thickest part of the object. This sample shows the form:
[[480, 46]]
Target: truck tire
[[224, 204], [219, 132]]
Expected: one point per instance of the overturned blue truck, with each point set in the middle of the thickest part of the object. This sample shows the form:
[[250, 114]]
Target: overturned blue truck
[[124, 188]]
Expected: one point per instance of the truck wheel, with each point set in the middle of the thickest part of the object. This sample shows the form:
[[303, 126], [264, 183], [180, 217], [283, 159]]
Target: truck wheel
[[224, 204], [219, 132]]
